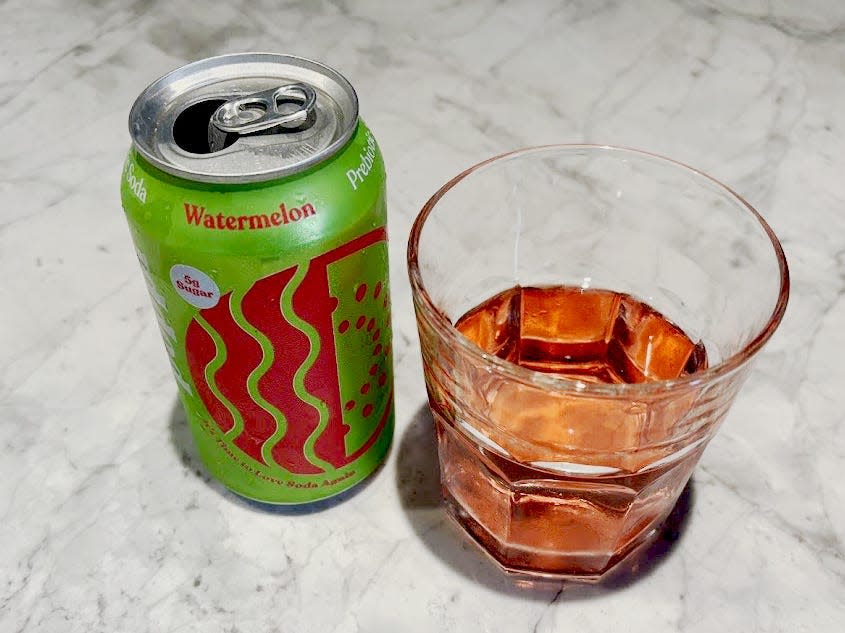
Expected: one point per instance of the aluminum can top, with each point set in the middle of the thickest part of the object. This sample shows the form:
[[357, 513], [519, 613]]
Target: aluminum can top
[[243, 118]]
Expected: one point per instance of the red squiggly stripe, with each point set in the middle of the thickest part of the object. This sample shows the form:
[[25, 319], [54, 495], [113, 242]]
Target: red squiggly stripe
[[291, 347], [200, 349], [244, 354]]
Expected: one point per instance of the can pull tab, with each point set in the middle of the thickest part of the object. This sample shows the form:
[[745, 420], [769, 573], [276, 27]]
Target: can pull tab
[[287, 106]]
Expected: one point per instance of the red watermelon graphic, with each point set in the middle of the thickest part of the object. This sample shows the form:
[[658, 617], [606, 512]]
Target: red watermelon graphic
[[296, 373]]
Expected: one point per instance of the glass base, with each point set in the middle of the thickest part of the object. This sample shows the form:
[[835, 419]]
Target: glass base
[[538, 526], [529, 567]]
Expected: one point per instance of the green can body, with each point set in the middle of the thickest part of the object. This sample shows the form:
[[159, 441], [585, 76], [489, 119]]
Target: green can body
[[274, 307]]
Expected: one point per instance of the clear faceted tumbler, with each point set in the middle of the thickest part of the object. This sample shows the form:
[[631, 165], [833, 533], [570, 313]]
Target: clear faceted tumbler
[[561, 474]]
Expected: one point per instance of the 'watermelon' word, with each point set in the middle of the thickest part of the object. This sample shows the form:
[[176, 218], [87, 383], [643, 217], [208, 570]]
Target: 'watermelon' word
[[198, 216]]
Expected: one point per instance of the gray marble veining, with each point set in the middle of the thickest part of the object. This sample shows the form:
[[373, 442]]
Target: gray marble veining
[[109, 522]]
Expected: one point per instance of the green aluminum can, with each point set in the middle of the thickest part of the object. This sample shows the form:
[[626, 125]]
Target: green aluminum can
[[255, 196]]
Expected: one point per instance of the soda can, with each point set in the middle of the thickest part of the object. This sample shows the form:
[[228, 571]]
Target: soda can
[[255, 196]]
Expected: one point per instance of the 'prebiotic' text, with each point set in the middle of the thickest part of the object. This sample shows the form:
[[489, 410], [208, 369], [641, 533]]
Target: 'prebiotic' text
[[356, 176]]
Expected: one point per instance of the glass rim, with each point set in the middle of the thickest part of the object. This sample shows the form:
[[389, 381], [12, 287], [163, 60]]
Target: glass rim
[[453, 337]]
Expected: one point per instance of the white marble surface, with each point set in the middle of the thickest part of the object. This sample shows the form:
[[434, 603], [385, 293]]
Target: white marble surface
[[108, 522]]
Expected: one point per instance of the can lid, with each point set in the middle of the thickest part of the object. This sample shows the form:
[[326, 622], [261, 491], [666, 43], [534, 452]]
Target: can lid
[[243, 118]]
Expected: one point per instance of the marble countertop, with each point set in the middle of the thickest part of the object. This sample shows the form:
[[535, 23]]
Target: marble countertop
[[109, 522]]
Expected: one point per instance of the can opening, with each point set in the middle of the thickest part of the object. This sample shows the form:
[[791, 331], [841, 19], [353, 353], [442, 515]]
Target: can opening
[[191, 130], [196, 131]]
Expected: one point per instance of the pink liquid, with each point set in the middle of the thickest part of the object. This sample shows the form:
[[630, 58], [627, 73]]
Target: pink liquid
[[532, 505]]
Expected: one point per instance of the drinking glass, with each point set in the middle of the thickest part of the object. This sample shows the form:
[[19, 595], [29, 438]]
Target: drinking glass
[[559, 476]]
